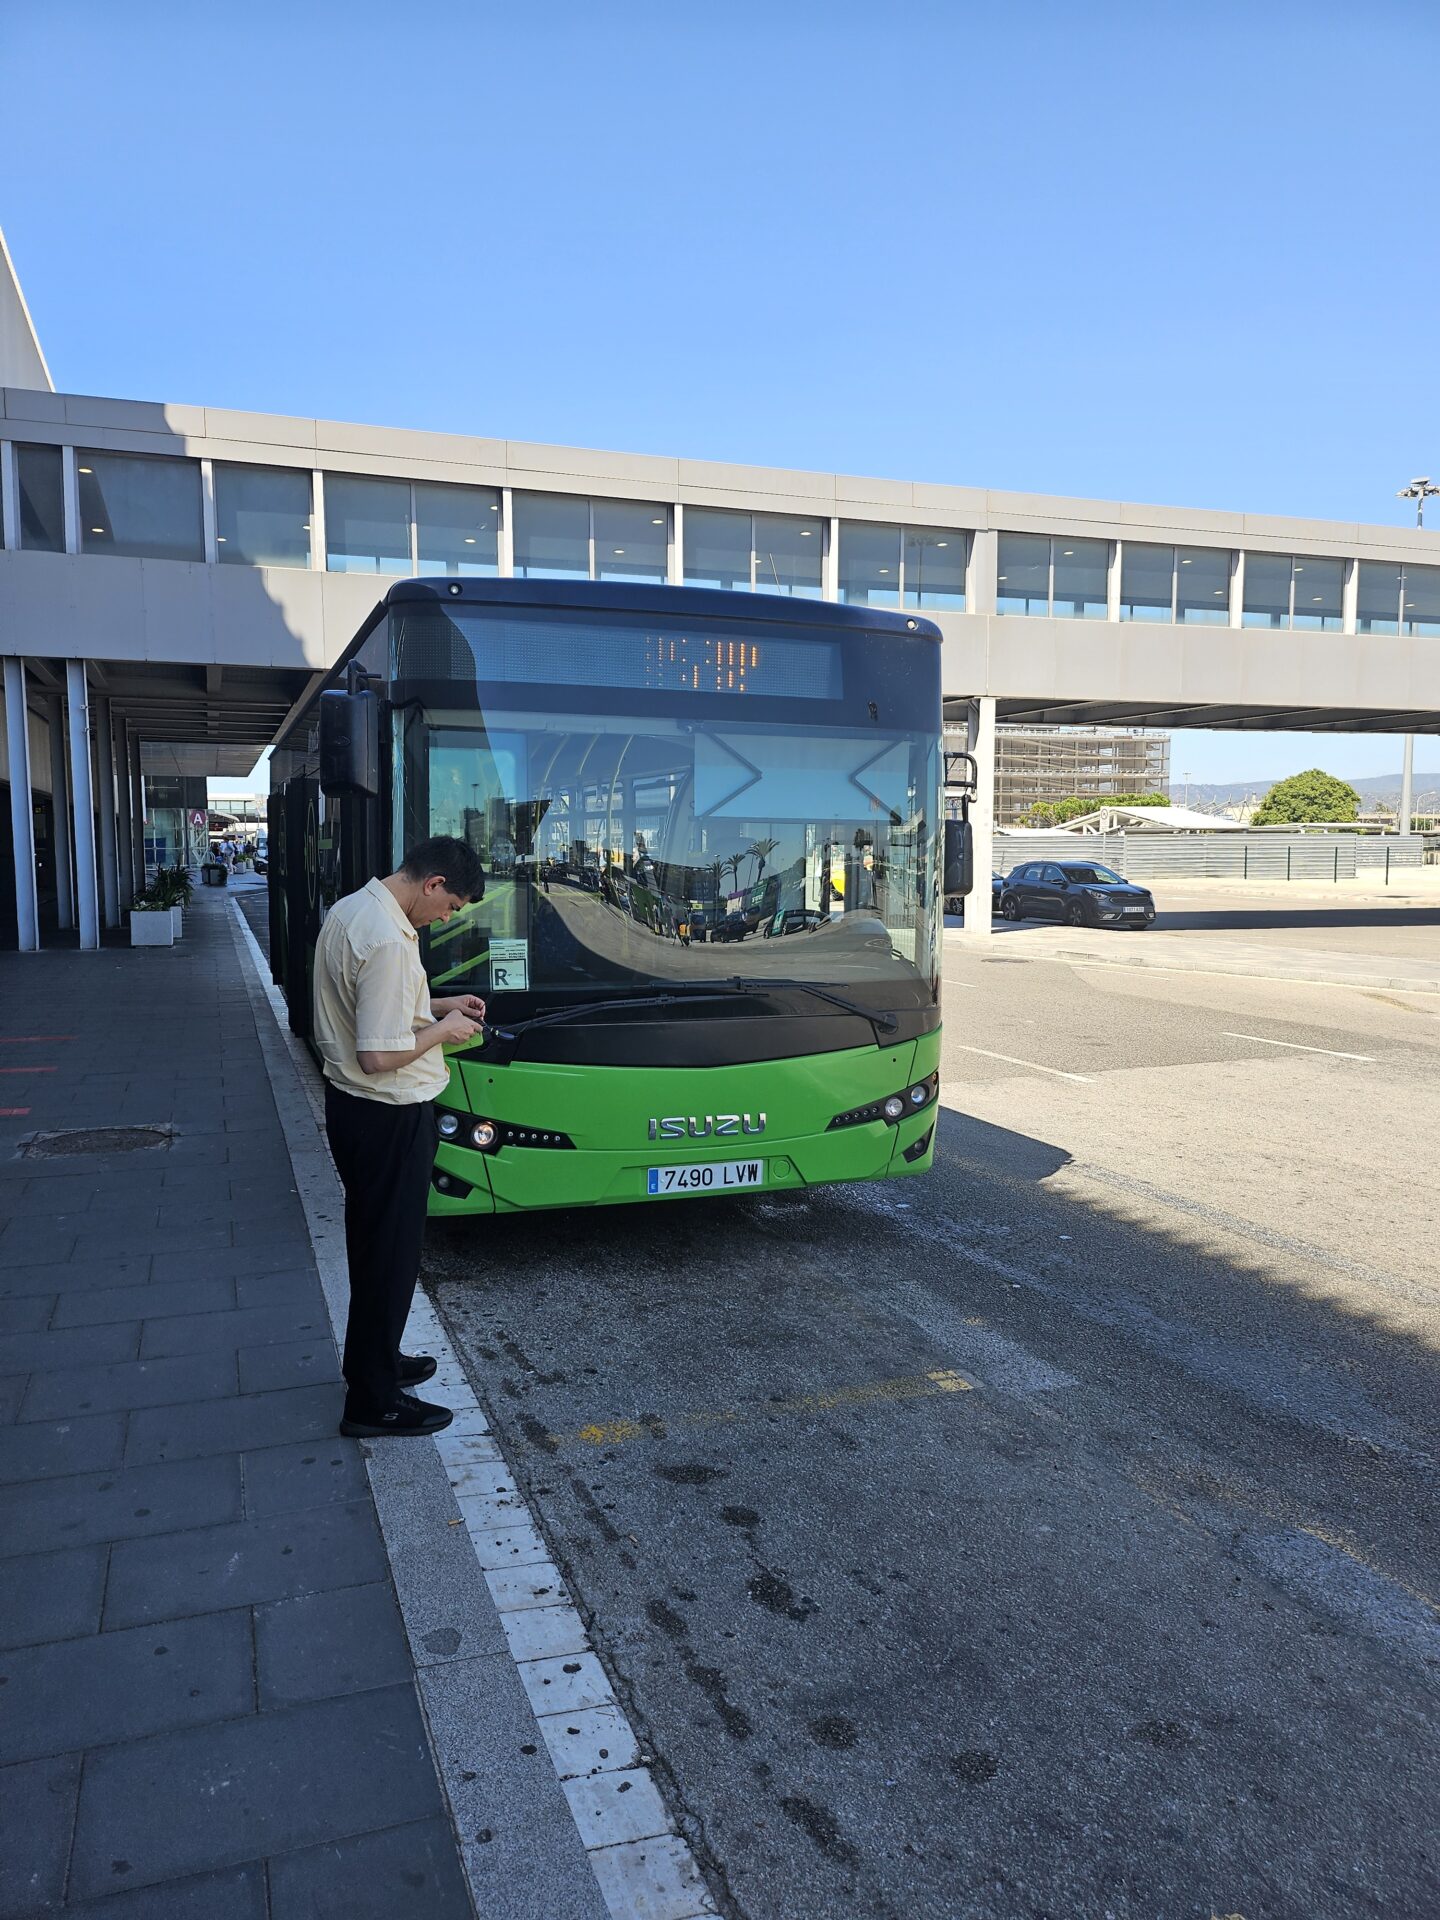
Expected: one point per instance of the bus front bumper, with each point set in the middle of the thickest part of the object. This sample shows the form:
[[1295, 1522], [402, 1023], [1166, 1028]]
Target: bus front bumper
[[524, 1180]]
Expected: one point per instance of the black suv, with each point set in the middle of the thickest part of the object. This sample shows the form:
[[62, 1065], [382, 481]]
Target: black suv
[[1080, 892]]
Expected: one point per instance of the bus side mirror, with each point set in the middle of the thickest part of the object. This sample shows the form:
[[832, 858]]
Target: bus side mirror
[[349, 744], [959, 858]]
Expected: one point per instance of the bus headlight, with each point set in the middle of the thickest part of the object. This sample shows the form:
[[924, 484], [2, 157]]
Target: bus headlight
[[919, 1094], [449, 1125], [893, 1107], [483, 1135]]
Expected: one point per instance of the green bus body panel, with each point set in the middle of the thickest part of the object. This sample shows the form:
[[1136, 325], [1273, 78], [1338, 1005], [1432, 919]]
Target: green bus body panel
[[607, 1112]]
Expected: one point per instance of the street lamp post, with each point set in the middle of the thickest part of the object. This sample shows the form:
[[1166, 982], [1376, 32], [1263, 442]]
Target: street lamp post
[[1419, 490]]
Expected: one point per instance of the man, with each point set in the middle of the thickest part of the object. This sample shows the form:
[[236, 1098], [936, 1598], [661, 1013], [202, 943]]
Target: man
[[380, 1036]]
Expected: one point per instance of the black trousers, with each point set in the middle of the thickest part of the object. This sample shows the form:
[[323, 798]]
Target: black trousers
[[384, 1156]]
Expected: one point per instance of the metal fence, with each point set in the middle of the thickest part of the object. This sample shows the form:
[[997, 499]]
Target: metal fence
[[1217, 856]]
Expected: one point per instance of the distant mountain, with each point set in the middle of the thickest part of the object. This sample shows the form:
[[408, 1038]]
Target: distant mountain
[[1378, 787]]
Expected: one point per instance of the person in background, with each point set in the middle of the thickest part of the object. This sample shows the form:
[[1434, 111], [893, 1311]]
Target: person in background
[[380, 1036]]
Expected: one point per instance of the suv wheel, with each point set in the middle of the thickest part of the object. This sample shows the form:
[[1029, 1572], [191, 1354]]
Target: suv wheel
[[1075, 914]]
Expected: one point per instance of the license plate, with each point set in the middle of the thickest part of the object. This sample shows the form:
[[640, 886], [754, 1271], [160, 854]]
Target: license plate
[[714, 1176]]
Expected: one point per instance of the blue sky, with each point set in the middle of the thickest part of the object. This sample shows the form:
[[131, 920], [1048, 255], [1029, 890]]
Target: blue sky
[[1149, 252]]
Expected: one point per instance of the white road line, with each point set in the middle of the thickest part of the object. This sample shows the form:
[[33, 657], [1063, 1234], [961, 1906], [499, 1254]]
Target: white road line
[[1086, 1079], [1295, 1046]]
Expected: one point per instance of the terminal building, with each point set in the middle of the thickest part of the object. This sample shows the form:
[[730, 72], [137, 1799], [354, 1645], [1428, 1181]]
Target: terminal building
[[176, 580]]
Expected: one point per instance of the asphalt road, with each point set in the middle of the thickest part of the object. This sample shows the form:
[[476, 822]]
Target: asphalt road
[[1051, 1536]]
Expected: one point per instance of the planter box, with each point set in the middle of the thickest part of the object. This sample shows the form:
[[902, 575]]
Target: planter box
[[152, 927], [177, 921]]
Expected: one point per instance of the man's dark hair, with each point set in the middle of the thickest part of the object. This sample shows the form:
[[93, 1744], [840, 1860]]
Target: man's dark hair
[[458, 865]]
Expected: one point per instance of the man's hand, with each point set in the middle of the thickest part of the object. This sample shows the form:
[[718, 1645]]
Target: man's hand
[[470, 1004], [456, 1027]]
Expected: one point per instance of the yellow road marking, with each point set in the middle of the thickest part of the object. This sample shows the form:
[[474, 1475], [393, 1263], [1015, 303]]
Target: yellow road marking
[[615, 1433]]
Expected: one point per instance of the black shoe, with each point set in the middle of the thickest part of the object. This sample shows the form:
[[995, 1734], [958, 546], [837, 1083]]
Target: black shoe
[[415, 1367], [408, 1418]]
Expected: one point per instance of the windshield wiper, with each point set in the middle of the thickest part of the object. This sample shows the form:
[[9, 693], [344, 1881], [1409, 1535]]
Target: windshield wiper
[[886, 1022], [492, 1034]]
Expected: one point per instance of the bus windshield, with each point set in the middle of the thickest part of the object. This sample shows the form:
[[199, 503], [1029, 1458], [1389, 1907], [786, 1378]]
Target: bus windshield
[[625, 850]]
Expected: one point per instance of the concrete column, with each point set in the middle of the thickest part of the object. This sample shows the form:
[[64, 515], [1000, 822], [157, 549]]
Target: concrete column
[[137, 814], [830, 560], [60, 813], [318, 553], [22, 818], [70, 485], [507, 532], [9, 493], [675, 555], [128, 888], [1237, 589], [109, 865], [1407, 785], [984, 557], [77, 691], [980, 740]]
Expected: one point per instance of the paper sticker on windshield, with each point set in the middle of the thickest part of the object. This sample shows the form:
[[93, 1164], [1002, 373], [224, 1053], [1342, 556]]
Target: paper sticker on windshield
[[509, 966]]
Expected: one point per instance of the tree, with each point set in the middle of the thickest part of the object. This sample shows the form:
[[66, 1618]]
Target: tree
[[1054, 813], [1308, 796], [760, 851]]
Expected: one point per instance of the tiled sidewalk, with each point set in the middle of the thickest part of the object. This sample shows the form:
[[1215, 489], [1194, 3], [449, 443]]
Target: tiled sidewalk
[[208, 1705]]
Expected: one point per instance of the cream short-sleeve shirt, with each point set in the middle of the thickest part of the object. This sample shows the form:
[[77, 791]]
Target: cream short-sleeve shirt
[[372, 996]]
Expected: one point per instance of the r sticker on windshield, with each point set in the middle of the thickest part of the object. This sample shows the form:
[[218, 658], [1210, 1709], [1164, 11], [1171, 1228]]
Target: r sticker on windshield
[[509, 966]]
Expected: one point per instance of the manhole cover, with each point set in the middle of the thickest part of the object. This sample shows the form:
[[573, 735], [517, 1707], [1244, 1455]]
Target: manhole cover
[[52, 1146]]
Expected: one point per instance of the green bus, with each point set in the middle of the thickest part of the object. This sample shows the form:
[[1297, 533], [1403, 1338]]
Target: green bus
[[711, 828]]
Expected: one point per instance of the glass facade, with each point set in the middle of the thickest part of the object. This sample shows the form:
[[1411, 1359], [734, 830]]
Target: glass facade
[[42, 500], [1202, 586], [367, 524], [869, 565], [789, 555], [934, 562], [1081, 576], [1421, 607], [1267, 590], [631, 541], [1022, 580], [150, 506], [1319, 587], [457, 530], [262, 516], [1377, 597], [717, 548], [1147, 581], [552, 537], [142, 505], [901, 566]]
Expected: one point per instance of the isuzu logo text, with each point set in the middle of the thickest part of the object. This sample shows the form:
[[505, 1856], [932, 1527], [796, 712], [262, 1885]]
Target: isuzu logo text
[[680, 1126]]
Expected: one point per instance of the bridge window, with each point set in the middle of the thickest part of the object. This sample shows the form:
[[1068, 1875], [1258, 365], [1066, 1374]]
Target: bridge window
[[262, 516], [788, 555], [1081, 568], [1202, 586], [1267, 590], [911, 566], [42, 501], [717, 548], [870, 565], [552, 537], [934, 567], [367, 524], [1147, 582], [1422, 600], [1377, 597], [457, 530], [144, 505], [631, 540], [1319, 591], [1022, 575]]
